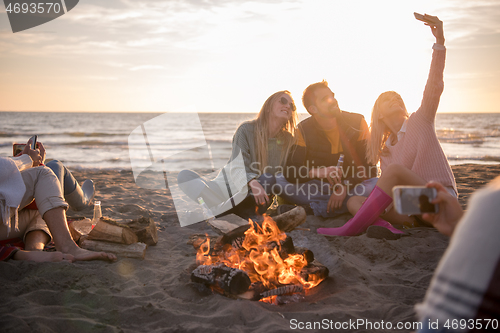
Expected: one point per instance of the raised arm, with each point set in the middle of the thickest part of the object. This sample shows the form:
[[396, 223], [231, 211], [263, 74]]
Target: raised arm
[[435, 84]]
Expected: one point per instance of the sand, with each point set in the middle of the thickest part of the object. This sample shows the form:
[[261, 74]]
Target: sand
[[370, 279]]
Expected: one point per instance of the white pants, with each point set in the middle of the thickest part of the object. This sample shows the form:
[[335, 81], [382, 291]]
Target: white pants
[[41, 184]]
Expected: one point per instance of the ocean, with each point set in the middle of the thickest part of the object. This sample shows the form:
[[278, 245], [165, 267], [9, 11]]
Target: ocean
[[196, 141]]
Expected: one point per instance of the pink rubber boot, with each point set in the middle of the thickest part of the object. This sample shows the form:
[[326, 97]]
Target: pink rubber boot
[[373, 206], [383, 223]]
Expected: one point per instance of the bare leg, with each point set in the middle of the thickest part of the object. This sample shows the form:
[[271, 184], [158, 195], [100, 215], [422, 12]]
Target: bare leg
[[396, 218], [40, 256], [35, 240], [394, 175], [56, 221], [354, 204]]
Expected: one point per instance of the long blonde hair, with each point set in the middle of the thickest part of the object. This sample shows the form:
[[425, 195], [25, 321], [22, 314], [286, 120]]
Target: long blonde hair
[[261, 132], [379, 132]]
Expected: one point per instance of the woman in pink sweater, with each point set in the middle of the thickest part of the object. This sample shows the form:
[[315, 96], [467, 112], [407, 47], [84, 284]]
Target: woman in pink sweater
[[406, 146]]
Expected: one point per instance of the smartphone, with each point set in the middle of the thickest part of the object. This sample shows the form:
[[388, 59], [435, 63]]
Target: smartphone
[[17, 148], [421, 17], [33, 139], [414, 200]]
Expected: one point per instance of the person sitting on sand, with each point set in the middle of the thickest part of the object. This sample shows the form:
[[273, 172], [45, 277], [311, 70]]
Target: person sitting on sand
[[21, 181], [78, 197], [260, 148], [406, 146], [464, 290], [321, 140]]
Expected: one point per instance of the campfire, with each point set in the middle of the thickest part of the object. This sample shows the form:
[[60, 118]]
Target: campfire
[[258, 262]]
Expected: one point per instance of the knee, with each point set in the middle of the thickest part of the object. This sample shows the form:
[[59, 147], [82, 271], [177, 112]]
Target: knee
[[185, 176], [55, 165], [354, 203], [350, 203], [393, 170], [44, 171]]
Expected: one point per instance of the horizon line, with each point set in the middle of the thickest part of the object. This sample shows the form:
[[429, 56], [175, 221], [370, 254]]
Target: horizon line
[[58, 111]]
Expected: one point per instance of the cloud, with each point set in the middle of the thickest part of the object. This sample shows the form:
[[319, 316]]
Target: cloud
[[101, 78], [473, 24], [142, 67]]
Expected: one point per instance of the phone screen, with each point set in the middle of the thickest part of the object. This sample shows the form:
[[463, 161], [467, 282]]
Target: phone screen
[[33, 141], [17, 148], [414, 200]]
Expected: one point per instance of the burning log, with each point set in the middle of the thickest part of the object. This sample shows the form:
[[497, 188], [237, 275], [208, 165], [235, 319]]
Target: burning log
[[285, 249], [288, 221], [229, 280], [258, 292], [235, 237], [314, 272], [262, 255], [306, 253], [284, 290]]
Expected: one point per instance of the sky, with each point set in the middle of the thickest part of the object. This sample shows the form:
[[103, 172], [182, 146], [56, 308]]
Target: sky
[[230, 55]]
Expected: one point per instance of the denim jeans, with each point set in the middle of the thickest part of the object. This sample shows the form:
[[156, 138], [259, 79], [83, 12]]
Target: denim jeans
[[66, 179], [317, 193]]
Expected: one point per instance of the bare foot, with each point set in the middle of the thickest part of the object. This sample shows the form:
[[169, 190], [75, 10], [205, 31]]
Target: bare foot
[[84, 255], [40, 256]]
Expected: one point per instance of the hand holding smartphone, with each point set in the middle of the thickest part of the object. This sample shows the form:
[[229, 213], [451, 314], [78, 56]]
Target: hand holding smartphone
[[34, 139], [414, 200], [422, 18], [17, 148]]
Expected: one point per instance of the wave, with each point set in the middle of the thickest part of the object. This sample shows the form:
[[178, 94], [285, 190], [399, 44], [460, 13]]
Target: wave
[[486, 158], [94, 143], [93, 134], [4, 134], [448, 135]]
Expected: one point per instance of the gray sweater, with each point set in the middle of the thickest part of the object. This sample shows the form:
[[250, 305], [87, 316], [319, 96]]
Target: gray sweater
[[242, 166]]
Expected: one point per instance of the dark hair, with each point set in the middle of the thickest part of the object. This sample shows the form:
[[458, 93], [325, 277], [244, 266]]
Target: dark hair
[[308, 97]]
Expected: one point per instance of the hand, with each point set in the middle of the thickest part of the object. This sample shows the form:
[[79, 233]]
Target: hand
[[37, 155], [332, 173], [42, 151], [436, 28], [337, 198], [450, 211], [258, 192]]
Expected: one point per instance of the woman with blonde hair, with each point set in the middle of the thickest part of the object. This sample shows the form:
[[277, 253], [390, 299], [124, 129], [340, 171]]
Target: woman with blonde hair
[[260, 149], [407, 148]]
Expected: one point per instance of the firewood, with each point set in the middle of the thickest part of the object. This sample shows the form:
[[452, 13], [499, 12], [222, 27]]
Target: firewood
[[314, 271], [291, 219], [198, 239], [235, 237], [221, 278], [112, 233], [288, 289], [136, 250], [308, 254], [78, 228], [222, 226], [145, 229]]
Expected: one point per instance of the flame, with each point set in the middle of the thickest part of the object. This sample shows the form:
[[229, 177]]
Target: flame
[[203, 253], [259, 256]]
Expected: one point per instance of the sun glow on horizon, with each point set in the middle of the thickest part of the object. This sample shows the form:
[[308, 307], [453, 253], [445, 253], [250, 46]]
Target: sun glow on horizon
[[160, 56]]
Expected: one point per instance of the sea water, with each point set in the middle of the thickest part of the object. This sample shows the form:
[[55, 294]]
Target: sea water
[[104, 141]]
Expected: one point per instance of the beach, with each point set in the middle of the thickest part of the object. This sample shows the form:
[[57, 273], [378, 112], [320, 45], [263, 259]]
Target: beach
[[372, 280]]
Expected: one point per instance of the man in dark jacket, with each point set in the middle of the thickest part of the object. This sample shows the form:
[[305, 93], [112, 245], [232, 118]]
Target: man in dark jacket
[[313, 174]]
